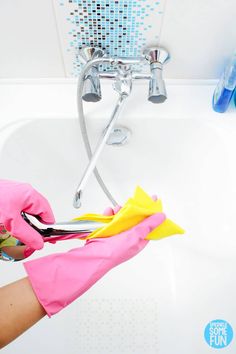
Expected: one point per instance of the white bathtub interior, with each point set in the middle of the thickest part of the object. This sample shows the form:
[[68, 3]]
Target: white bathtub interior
[[160, 301]]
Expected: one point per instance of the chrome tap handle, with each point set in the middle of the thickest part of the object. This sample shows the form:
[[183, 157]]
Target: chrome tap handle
[[156, 57]]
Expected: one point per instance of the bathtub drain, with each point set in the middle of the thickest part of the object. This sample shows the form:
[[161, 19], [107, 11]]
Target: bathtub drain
[[119, 136]]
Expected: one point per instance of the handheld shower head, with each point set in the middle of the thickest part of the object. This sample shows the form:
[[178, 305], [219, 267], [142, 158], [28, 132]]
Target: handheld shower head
[[62, 228], [156, 57]]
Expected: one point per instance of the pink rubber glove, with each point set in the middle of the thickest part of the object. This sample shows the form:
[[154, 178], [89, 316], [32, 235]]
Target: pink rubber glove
[[110, 211], [61, 278], [28, 251], [16, 197]]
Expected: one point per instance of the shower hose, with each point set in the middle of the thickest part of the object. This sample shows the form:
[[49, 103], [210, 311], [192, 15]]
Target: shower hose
[[83, 128]]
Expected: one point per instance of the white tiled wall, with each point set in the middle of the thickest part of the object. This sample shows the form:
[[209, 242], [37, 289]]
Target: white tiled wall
[[29, 45], [200, 35]]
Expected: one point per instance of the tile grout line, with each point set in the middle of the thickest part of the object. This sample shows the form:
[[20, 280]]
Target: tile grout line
[[162, 21], [59, 38]]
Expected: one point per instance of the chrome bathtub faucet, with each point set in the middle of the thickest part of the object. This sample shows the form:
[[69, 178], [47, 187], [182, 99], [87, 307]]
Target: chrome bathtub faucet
[[123, 73]]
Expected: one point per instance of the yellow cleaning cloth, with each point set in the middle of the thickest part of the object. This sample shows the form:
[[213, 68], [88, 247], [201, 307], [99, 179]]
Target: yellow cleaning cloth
[[133, 212]]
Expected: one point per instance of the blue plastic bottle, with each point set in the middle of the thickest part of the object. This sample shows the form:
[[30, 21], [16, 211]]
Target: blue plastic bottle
[[225, 88]]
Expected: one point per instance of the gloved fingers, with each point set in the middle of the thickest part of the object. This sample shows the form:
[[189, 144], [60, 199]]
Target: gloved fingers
[[147, 225], [108, 211], [38, 205], [28, 251], [24, 232], [138, 232]]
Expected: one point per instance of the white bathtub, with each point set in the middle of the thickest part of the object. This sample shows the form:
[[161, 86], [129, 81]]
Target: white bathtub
[[161, 301]]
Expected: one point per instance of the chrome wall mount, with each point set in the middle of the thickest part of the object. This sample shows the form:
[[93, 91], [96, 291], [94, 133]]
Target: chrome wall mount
[[123, 74]]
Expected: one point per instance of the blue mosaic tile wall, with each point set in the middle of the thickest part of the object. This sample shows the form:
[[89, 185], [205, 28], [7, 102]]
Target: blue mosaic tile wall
[[120, 27]]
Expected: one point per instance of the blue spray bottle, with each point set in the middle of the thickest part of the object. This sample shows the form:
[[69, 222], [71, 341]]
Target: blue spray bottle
[[225, 88], [235, 97]]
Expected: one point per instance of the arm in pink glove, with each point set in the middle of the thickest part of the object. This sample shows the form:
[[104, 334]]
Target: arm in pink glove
[[59, 279], [16, 197]]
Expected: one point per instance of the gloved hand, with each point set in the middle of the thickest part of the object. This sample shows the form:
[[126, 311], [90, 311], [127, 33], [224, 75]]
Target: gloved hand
[[60, 278], [110, 211], [16, 197], [28, 251]]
